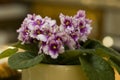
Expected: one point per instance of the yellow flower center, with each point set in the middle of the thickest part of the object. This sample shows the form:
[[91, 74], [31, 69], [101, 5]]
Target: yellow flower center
[[38, 32], [81, 26], [54, 47], [38, 22], [49, 34], [26, 30], [67, 23], [58, 38]]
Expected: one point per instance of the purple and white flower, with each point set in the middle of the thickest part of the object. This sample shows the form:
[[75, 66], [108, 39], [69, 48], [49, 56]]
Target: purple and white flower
[[84, 32], [83, 25], [66, 23], [24, 34], [53, 48], [75, 36], [80, 14], [37, 21], [54, 38]]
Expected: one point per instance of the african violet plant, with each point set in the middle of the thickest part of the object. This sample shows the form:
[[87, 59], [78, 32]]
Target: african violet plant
[[43, 41]]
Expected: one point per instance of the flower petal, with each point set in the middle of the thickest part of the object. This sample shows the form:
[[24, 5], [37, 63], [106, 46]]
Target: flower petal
[[53, 55], [61, 50], [42, 37]]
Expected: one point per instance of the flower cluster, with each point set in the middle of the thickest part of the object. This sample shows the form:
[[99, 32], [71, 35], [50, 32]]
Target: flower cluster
[[53, 38]]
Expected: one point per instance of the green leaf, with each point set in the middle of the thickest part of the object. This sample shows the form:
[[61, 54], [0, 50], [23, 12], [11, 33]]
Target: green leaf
[[115, 63], [24, 60], [96, 68], [102, 50], [108, 52], [33, 47], [8, 52], [70, 55], [91, 44]]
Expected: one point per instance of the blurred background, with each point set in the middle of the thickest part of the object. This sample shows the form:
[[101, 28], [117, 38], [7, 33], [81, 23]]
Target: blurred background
[[104, 13]]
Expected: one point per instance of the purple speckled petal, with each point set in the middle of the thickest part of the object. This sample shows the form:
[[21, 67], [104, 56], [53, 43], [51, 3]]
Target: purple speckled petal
[[80, 14]]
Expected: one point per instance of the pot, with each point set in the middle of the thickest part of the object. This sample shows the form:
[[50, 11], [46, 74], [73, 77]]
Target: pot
[[54, 72]]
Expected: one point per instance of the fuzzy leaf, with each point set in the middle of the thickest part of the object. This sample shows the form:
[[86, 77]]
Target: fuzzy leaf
[[28, 47], [23, 60], [102, 50], [8, 52], [115, 63], [96, 68], [90, 44], [108, 53], [70, 56]]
